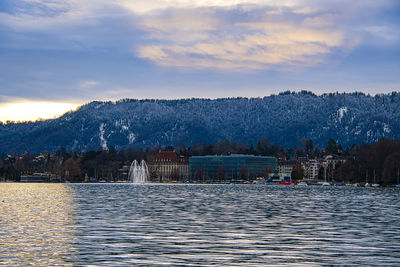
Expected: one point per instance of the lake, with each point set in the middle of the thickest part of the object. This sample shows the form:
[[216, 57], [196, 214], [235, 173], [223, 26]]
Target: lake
[[197, 225]]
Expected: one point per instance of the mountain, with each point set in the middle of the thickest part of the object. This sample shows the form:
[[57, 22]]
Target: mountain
[[284, 119]]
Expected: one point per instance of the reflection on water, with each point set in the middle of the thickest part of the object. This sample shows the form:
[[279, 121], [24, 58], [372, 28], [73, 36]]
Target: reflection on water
[[36, 226], [126, 224]]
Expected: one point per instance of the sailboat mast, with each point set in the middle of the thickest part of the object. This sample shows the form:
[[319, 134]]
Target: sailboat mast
[[374, 176]]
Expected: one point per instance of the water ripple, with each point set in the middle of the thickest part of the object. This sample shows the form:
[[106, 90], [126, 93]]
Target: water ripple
[[198, 225]]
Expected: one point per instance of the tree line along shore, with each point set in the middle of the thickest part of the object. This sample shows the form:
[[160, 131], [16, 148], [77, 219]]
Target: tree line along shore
[[377, 162]]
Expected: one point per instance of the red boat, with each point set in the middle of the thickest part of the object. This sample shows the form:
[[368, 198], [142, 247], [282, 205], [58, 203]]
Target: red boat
[[287, 183]]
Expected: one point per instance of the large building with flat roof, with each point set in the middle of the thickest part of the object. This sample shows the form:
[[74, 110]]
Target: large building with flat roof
[[232, 167]]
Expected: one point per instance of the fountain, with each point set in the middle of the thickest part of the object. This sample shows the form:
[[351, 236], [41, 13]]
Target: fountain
[[138, 173]]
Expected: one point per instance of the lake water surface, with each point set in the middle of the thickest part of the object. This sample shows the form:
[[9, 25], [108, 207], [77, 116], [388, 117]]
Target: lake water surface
[[197, 225]]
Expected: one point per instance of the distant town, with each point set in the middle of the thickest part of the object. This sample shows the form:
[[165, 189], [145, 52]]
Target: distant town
[[376, 164]]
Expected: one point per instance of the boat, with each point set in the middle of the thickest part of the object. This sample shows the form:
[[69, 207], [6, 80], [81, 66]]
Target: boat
[[302, 184], [325, 183], [366, 180], [287, 183], [259, 180], [375, 184]]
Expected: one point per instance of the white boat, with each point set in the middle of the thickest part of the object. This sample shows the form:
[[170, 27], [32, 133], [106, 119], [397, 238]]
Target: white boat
[[302, 184], [375, 184], [366, 180], [259, 180], [325, 183]]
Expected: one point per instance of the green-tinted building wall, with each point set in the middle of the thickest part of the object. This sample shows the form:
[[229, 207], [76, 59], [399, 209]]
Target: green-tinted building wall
[[233, 167]]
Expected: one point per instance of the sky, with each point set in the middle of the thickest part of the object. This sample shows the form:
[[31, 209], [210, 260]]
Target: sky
[[58, 54]]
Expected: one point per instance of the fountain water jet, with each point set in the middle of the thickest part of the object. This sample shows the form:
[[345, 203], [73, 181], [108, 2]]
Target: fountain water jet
[[138, 173]]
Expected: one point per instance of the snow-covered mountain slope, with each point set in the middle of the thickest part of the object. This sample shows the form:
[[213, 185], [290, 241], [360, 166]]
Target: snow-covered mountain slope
[[283, 119]]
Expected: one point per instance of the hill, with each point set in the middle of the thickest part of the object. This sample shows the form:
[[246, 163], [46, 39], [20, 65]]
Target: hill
[[284, 119]]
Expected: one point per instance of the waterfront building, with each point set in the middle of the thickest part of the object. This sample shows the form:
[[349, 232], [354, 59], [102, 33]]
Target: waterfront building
[[169, 166], [39, 177], [231, 168], [311, 169], [332, 162], [285, 169]]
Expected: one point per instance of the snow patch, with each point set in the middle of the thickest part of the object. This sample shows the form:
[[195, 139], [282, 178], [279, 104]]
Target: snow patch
[[357, 130], [131, 138], [121, 123], [340, 113], [386, 128], [99, 106], [103, 141]]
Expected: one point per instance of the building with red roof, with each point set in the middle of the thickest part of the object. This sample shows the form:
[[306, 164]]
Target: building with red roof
[[168, 166]]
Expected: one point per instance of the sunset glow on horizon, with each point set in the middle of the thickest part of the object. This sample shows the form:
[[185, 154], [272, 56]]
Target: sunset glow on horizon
[[32, 111]]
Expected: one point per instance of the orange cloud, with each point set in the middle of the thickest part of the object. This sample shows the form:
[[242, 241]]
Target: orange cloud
[[251, 45]]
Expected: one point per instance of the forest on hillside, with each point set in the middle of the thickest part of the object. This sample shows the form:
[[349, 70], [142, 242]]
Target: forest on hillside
[[283, 119]]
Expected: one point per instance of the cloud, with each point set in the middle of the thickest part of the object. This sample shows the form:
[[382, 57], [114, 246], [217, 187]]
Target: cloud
[[248, 35], [215, 39], [147, 6], [391, 34], [88, 84], [229, 35], [72, 20]]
